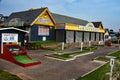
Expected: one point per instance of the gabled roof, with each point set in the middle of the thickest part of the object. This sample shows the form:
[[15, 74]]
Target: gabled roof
[[106, 30], [66, 19], [14, 29], [97, 24], [27, 16]]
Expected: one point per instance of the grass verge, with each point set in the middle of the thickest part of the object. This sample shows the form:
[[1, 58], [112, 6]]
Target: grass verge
[[115, 54], [98, 74], [7, 76], [44, 42], [67, 55], [102, 59], [90, 48], [102, 73]]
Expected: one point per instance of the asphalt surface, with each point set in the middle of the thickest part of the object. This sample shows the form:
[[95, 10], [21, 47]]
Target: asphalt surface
[[52, 69]]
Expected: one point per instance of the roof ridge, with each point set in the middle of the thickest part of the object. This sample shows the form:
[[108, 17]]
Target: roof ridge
[[30, 10], [97, 22]]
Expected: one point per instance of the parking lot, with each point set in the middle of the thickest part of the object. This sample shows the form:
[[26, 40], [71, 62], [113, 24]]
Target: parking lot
[[51, 69]]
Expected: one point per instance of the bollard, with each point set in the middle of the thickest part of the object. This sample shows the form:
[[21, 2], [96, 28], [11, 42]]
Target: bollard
[[81, 46], [89, 43], [63, 46]]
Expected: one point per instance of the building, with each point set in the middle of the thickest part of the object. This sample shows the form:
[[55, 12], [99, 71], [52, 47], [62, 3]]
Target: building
[[39, 23], [107, 35], [44, 25], [2, 19], [69, 29], [12, 35]]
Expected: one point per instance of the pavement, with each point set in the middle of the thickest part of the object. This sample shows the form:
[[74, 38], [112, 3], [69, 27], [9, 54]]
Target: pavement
[[52, 69]]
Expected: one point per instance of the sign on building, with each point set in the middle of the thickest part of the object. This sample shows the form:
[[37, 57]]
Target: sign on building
[[9, 37], [43, 31]]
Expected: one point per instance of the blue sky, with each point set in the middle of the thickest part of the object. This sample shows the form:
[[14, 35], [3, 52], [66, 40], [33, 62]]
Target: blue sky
[[107, 11]]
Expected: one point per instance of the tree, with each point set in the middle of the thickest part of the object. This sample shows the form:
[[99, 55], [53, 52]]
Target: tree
[[1, 15], [111, 31]]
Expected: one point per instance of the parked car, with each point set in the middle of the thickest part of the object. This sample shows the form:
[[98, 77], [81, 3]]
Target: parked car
[[108, 43]]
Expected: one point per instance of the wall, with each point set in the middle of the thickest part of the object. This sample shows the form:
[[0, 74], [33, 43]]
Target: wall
[[79, 36], [35, 37], [92, 36], [97, 36], [69, 36], [60, 35], [86, 36]]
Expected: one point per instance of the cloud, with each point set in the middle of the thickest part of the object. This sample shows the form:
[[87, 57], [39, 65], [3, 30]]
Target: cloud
[[99, 10], [70, 1]]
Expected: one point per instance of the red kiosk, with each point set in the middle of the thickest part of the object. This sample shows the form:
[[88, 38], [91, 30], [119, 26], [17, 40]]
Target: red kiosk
[[13, 52]]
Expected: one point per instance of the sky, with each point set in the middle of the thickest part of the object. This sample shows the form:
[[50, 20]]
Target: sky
[[106, 11]]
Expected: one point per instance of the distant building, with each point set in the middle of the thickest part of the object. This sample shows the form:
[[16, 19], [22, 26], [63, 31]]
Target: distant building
[[107, 35], [2, 19], [113, 34]]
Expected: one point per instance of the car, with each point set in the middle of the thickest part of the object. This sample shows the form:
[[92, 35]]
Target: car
[[109, 43]]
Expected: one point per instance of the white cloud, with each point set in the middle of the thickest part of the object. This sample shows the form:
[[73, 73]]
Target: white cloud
[[103, 10], [70, 1]]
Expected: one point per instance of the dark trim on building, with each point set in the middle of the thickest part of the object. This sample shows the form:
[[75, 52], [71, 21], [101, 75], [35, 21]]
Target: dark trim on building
[[95, 36], [82, 36], [89, 36], [65, 36], [74, 36]]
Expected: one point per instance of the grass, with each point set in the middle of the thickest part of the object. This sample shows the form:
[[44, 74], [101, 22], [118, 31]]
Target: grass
[[100, 45], [23, 58], [7, 76], [67, 55], [44, 42], [115, 54], [102, 73], [56, 48], [98, 74], [38, 44], [102, 59], [90, 48], [70, 55]]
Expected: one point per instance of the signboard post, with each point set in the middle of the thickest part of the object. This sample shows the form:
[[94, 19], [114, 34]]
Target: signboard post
[[8, 37], [111, 69]]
